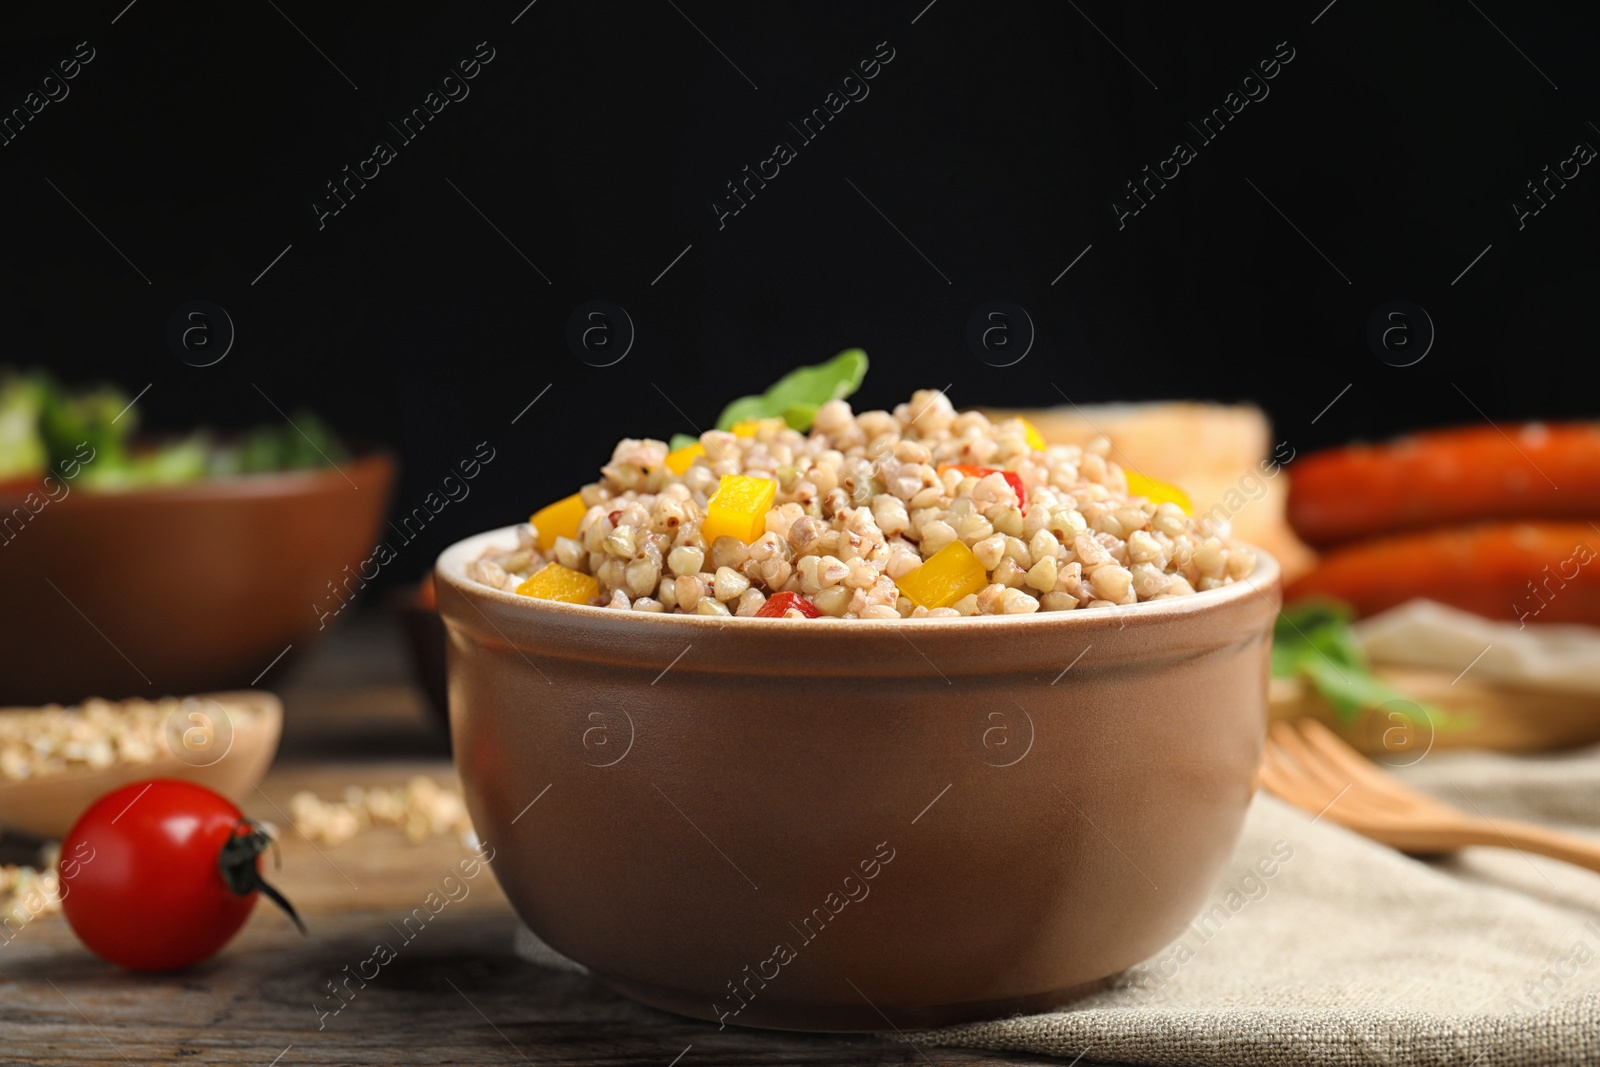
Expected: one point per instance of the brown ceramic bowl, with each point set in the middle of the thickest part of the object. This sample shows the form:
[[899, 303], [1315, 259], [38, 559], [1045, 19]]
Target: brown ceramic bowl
[[178, 589], [856, 825]]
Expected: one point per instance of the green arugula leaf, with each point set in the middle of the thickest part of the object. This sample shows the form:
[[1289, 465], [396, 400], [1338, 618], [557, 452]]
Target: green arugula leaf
[[681, 440], [1348, 691], [746, 407], [800, 416], [1314, 640], [797, 395]]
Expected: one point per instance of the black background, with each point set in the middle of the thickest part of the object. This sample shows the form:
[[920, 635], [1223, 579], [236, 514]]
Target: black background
[[200, 135]]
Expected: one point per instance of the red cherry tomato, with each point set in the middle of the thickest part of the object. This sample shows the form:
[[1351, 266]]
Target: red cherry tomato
[[173, 871]]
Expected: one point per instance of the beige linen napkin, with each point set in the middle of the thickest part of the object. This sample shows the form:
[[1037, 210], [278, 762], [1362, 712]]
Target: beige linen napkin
[[1353, 954], [1422, 633]]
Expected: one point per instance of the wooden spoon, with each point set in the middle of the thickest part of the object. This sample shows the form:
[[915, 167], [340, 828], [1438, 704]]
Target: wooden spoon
[[1308, 766], [47, 805]]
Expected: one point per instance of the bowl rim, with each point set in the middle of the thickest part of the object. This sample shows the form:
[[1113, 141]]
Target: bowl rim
[[260, 484], [450, 569]]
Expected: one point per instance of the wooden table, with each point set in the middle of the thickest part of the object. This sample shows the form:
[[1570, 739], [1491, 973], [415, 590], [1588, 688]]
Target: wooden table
[[453, 994]]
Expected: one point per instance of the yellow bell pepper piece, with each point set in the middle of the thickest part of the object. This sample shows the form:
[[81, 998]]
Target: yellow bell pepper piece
[[1160, 492], [945, 577], [555, 582], [1035, 439], [558, 520], [751, 427], [739, 508], [681, 459]]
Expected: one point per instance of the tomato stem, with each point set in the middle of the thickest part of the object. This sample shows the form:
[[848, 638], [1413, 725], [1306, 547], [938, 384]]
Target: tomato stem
[[238, 863]]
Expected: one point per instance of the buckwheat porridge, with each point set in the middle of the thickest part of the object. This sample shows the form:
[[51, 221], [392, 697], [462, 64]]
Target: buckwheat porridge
[[918, 512]]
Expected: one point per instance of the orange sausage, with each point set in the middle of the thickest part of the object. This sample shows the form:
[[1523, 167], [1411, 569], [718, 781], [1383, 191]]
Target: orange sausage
[[1444, 477], [1532, 572]]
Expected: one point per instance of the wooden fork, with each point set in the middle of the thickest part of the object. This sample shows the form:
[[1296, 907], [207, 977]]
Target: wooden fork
[[1307, 765]]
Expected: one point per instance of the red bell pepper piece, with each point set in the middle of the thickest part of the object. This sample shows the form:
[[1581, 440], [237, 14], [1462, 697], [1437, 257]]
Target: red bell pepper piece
[[778, 603], [1012, 478]]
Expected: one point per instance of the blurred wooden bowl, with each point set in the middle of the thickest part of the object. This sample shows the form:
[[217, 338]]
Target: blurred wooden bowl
[[417, 608], [48, 805], [179, 589]]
